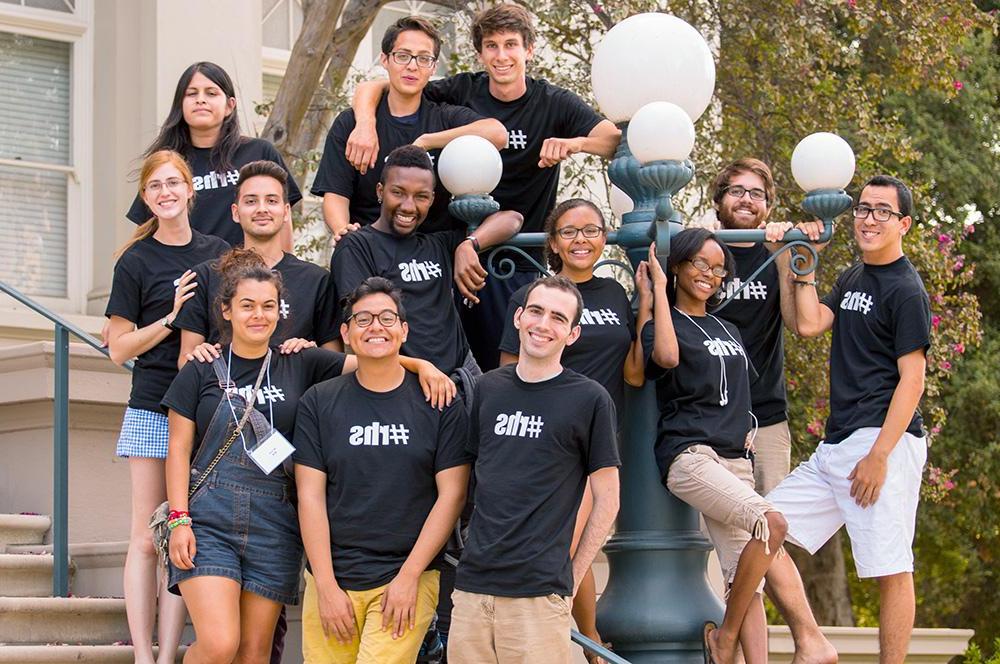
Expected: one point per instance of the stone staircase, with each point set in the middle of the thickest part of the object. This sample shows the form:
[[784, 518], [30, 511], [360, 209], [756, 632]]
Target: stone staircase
[[37, 627]]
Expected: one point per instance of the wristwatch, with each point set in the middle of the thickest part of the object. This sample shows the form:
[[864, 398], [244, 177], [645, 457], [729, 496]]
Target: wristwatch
[[167, 323], [474, 241]]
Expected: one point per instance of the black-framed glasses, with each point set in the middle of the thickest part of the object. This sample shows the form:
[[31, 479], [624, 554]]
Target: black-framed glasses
[[703, 266], [861, 213], [387, 317], [403, 58], [738, 190], [570, 232]]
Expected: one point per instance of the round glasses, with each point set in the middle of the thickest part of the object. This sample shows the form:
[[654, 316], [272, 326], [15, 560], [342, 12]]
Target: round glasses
[[589, 232], [387, 317], [156, 186]]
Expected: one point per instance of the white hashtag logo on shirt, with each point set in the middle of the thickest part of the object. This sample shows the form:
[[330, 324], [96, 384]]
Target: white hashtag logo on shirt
[[755, 290], [857, 301], [284, 309], [534, 427], [517, 139], [271, 393], [419, 270], [519, 424], [398, 434]]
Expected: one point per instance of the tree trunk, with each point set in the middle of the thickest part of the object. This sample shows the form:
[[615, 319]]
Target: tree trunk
[[825, 579], [305, 65]]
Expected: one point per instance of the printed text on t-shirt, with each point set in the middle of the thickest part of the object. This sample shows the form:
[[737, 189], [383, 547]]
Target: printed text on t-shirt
[[419, 270], [752, 290], [723, 347], [268, 393], [517, 139], [377, 433], [519, 424], [599, 317], [215, 180], [857, 301]]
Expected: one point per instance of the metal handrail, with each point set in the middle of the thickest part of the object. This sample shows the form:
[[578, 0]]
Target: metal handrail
[[60, 433]]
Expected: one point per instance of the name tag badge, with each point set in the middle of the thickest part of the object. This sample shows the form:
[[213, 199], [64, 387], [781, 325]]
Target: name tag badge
[[271, 452]]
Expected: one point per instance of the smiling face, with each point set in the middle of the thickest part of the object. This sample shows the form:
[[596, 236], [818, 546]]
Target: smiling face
[[881, 242], [167, 193], [406, 197], [377, 340], [260, 208], [504, 57], [409, 79], [545, 322], [580, 253], [700, 285], [253, 311], [743, 212], [205, 105]]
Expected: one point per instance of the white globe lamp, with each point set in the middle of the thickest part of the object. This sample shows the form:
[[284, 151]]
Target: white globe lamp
[[621, 204], [660, 131], [652, 57], [822, 161], [470, 165]]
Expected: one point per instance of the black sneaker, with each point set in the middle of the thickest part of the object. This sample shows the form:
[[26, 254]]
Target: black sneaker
[[432, 649]]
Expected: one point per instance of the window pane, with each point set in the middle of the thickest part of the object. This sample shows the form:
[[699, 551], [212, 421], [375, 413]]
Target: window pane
[[33, 230], [34, 126], [55, 5]]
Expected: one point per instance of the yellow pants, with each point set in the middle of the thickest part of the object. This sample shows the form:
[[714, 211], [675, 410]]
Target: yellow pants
[[370, 645]]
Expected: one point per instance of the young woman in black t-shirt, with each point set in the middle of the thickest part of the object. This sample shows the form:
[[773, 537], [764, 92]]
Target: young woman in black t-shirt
[[152, 280], [608, 349], [203, 126], [704, 441]]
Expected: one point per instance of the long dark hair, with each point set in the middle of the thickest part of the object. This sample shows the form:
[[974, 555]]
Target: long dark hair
[[176, 135], [553, 258], [236, 266], [684, 246]]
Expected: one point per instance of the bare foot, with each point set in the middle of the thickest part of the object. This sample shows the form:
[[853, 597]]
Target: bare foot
[[815, 650]]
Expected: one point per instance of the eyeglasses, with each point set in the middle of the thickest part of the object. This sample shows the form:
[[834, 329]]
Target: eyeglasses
[[387, 317], [737, 191], [403, 58], [861, 213], [703, 266], [570, 232], [156, 186]]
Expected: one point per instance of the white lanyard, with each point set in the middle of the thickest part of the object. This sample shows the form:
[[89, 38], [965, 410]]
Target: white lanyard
[[270, 402]]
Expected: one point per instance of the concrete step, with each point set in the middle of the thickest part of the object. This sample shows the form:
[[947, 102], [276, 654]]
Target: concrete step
[[81, 620], [23, 529], [55, 654], [26, 575]]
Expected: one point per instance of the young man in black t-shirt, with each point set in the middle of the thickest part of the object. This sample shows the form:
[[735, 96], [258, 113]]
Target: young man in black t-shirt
[[410, 50], [538, 432], [308, 310], [545, 124], [420, 264], [381, 480], [866, 472]]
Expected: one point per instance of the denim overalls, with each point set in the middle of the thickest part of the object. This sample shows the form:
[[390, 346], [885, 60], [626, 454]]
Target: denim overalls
[[245, 524]]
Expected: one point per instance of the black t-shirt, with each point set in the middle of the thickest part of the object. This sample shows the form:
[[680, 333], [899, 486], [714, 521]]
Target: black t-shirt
[[195, 392], [381, 452], [215, 190], [337, 176], [756, 313], [689, 396], [881, 312], [535, 444], [142, 291], [607, 332], [308, 309], [544, 111], [420, 265]]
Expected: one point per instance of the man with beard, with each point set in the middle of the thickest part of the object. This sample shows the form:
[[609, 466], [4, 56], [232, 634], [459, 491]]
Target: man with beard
[[419, 264]]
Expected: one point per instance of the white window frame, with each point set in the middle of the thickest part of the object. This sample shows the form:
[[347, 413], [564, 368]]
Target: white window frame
[[76, 29]]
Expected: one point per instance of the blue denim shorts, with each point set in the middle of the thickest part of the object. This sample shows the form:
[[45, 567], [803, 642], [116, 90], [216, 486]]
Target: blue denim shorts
[[246, 533]]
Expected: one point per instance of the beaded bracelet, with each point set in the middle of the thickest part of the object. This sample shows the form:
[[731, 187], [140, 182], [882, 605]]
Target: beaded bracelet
[[178, 522], [177, 513]]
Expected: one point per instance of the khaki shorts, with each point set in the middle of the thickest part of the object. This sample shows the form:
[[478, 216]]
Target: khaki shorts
[[723, 491], [370, 645], [487, 629], [772, 456]]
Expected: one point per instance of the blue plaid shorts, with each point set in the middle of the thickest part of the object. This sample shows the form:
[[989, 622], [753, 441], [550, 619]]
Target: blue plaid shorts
[[144, 434]]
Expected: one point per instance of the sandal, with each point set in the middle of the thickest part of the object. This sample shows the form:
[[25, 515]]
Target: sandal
[[706, 630]]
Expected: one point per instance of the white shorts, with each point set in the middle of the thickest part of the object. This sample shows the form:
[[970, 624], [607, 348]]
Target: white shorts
[[816, 501]]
